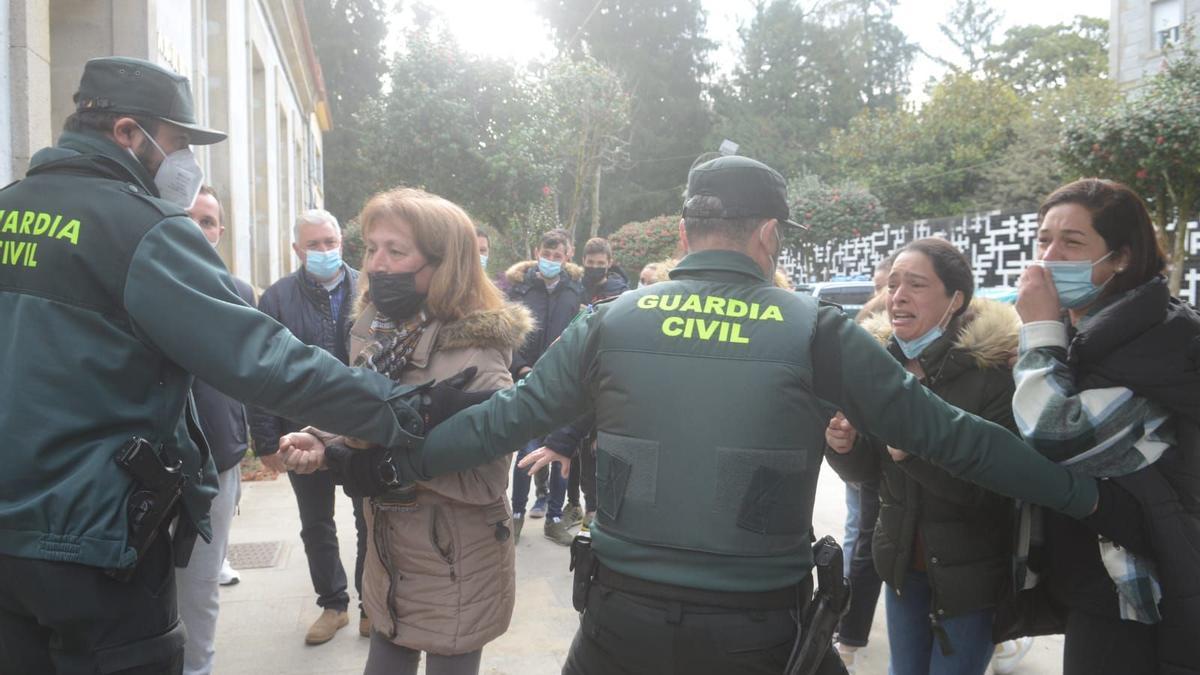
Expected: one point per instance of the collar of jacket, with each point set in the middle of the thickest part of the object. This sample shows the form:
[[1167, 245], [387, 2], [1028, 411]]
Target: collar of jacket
[[315, 290], [1121, 319], [96, 153], [503, 328], [1144, 340], [566, 279], [723, 262], [983, 337]]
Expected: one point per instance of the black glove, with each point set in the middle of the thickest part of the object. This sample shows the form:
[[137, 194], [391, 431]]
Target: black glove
[[442, 400], [357, 469]]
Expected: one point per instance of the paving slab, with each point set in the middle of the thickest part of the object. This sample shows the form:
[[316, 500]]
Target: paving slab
[[264, 618]]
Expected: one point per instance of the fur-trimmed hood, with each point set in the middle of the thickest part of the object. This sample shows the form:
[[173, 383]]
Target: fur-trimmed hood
[[988, 332], [504, 328], [519, 272]]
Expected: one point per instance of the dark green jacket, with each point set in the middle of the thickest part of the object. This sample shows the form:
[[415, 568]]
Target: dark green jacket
[[110, 298], [640, 380], [965, 530]]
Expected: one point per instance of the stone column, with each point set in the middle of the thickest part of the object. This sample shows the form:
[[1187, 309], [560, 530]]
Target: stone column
[[29, 83]]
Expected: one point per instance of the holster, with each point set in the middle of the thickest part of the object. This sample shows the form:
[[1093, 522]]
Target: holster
[[821, 617], [153, 502], [583, 564]]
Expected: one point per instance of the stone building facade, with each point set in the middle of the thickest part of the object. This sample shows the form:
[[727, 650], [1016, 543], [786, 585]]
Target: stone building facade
[[254, 74]]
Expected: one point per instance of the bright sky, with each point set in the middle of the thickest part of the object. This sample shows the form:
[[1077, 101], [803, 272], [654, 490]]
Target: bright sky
[[512, 29]]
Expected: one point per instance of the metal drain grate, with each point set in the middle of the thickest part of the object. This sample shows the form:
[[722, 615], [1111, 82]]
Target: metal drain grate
[[255, 555]]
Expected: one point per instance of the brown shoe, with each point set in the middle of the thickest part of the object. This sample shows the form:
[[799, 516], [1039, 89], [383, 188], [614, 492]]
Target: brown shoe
[[364, 626], [326, 625]]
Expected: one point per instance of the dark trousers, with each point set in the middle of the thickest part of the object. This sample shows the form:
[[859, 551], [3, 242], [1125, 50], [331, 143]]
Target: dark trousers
[[315, 495], [520, 484], [583, 477], [1099, 645], [72, 619], [855, 626], [635, 635]]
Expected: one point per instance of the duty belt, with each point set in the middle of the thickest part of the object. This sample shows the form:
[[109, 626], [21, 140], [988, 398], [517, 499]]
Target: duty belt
[[790, 597]]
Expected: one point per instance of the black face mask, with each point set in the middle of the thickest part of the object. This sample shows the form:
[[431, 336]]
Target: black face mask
[[395, 294], [593, 276]]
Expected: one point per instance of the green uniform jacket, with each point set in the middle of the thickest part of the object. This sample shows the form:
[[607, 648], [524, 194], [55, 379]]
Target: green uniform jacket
[[697, 403], [110, 297]]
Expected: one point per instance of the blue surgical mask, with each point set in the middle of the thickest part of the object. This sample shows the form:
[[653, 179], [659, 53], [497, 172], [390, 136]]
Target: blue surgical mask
[[913, 348], [548, 268], [1073, 281], [323, 264], [483, 261]]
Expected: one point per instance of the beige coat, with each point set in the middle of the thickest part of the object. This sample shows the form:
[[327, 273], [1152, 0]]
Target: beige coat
[[453, 583]]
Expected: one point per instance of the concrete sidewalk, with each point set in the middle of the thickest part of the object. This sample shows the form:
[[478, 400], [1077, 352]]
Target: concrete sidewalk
[[264, 618]]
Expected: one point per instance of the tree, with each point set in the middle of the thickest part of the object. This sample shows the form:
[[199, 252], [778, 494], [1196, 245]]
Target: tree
[[803, 72], [970, 26], [659, 50], [1151, 143], [1036, 58], [1030, 168], [874, 49], [465, 127], [589, 110], [930, 163], [348, 36]]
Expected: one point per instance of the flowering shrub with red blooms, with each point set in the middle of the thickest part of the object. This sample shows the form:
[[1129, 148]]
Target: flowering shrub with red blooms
[[636, 244], [1150, 142], [830, 211]]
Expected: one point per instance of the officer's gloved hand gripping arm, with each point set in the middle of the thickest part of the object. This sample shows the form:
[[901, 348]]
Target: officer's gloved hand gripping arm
[[552, 395], [880, 398], [183, 301]]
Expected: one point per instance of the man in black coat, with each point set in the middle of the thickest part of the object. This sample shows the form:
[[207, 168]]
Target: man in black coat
[[552, 290], [315, 303]]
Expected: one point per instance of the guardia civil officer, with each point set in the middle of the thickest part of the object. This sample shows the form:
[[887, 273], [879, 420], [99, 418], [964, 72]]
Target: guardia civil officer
[[712, 392], [111, 296]]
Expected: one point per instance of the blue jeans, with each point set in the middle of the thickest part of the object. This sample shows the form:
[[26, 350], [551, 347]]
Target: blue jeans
[[854, 630], [915, 649], [521, 480], [852, 525]]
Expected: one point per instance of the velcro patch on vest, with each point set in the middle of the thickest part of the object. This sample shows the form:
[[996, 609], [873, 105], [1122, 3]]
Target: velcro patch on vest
[[772, 502], [766, 488], [626, 468], [611, 484]]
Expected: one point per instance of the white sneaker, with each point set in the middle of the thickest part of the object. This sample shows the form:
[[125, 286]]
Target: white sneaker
[[1009, 654], [227, 576]]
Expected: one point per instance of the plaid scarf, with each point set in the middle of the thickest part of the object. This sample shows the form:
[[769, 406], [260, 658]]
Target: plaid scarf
[[391, 345]]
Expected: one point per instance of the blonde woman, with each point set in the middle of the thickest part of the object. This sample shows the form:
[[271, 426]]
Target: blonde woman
[[439, 574]]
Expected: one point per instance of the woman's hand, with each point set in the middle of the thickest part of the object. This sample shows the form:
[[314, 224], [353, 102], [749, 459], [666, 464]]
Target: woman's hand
[[302, 452], [840, 434], [1037, 299], [897, 455]]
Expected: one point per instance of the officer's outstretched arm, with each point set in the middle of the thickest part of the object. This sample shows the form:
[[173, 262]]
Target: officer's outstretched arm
[[183, 301], [879, 397], [552, 395]]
